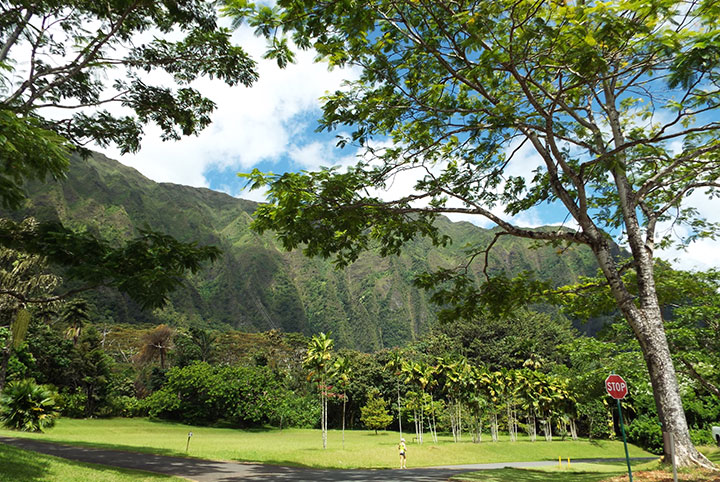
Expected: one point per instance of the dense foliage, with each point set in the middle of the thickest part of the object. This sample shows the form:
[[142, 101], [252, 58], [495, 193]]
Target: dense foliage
[[62, 64], [442, 383], [234, 396], [27, 406]]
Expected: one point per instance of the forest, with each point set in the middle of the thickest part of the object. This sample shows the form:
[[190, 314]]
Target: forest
[[525, 372]]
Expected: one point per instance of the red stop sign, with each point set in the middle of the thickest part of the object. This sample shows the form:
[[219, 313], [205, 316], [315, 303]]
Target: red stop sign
[[616, 387]]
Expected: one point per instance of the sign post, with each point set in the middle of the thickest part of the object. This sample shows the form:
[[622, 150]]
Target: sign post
[[617, 388]]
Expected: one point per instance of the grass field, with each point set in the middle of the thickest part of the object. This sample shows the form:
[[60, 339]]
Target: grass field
[[304, 447], [597, 472], [22, 466]]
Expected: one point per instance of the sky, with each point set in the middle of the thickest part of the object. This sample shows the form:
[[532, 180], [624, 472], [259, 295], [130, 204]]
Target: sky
[[271, 126]]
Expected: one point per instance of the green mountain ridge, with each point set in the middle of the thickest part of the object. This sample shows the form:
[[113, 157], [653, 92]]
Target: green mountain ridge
[[257, 286]]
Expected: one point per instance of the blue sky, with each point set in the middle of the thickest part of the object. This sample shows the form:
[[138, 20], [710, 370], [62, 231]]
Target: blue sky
[[271, 126]]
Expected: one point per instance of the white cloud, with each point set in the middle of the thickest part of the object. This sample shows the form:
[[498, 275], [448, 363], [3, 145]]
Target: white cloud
[[251, 125], [314, 155], [701, 254]]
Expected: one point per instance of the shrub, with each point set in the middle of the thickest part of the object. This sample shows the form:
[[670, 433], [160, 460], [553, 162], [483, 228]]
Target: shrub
[[232, 396], [123, 406], [27, 406], [701, 436], [297, 411], [646, 432], [72, 404]]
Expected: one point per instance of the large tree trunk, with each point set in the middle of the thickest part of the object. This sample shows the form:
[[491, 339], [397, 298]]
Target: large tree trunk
[[643, 314], [4, 359], [651, 335]]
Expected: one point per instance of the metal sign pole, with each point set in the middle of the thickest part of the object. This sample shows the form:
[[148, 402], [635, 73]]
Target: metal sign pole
[[622, 429]]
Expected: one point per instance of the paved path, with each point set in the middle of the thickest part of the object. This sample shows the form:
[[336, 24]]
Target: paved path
[[213, 471]]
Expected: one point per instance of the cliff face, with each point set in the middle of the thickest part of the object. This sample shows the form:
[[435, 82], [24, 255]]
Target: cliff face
[[257, 286]]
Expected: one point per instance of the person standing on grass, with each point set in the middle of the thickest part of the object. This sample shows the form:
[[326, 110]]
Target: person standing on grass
[[403, 451]]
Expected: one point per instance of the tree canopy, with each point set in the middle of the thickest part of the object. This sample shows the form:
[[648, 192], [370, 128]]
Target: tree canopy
[[56, 58], [603, 110], [75, 73]]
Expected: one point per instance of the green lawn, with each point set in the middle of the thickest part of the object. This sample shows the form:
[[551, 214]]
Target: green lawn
[[304, 447], [595, 472], [23, 466], [528, 475]]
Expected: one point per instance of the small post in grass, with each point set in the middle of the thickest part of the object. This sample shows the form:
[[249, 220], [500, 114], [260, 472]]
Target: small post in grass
[[669, 441], [617, 388], [187, 446]]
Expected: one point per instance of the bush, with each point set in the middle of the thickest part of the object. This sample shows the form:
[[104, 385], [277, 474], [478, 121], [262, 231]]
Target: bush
[[27, 406], [232, 396], [299, 412], [646, 432], [701, 436], [123, 406], [72, 404]]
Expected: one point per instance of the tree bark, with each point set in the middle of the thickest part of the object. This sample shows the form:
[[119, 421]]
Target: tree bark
[[3, 366], [644, 316]]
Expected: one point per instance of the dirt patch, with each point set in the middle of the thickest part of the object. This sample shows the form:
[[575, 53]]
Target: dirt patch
[[662, 476]]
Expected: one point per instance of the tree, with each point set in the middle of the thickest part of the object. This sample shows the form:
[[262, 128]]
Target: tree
[[197, 344], [341, 372], [93, 370], [57, 55], [23, 277], [156, 344], [614, 103], [318, 361], [691, 306], [63, 64], [395, 365], [375, 414], [75, 314]]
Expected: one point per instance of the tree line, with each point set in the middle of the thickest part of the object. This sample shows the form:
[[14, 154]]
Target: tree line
[[528, 375]]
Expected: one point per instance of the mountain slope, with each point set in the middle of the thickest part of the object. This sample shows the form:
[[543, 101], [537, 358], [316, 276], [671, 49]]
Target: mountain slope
[[256, 285]]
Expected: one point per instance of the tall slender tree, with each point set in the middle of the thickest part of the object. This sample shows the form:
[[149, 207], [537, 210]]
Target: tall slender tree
[[342, 371], [318, 360], [395, 365]]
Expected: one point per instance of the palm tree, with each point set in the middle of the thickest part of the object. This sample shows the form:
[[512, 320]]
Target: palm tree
[[422, 375], [395, 364], [342, 371], [156, 344], [476, 398], [204, 340], [76, 314], [317, 360]]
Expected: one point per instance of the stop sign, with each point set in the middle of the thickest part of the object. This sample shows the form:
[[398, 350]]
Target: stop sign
[[616, 387]]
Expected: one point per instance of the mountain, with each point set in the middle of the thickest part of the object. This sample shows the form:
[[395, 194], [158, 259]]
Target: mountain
[[256, 286]]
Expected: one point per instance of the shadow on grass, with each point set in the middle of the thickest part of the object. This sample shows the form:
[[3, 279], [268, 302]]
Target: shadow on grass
[[22, 465], [527, 475], [220, 424]]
